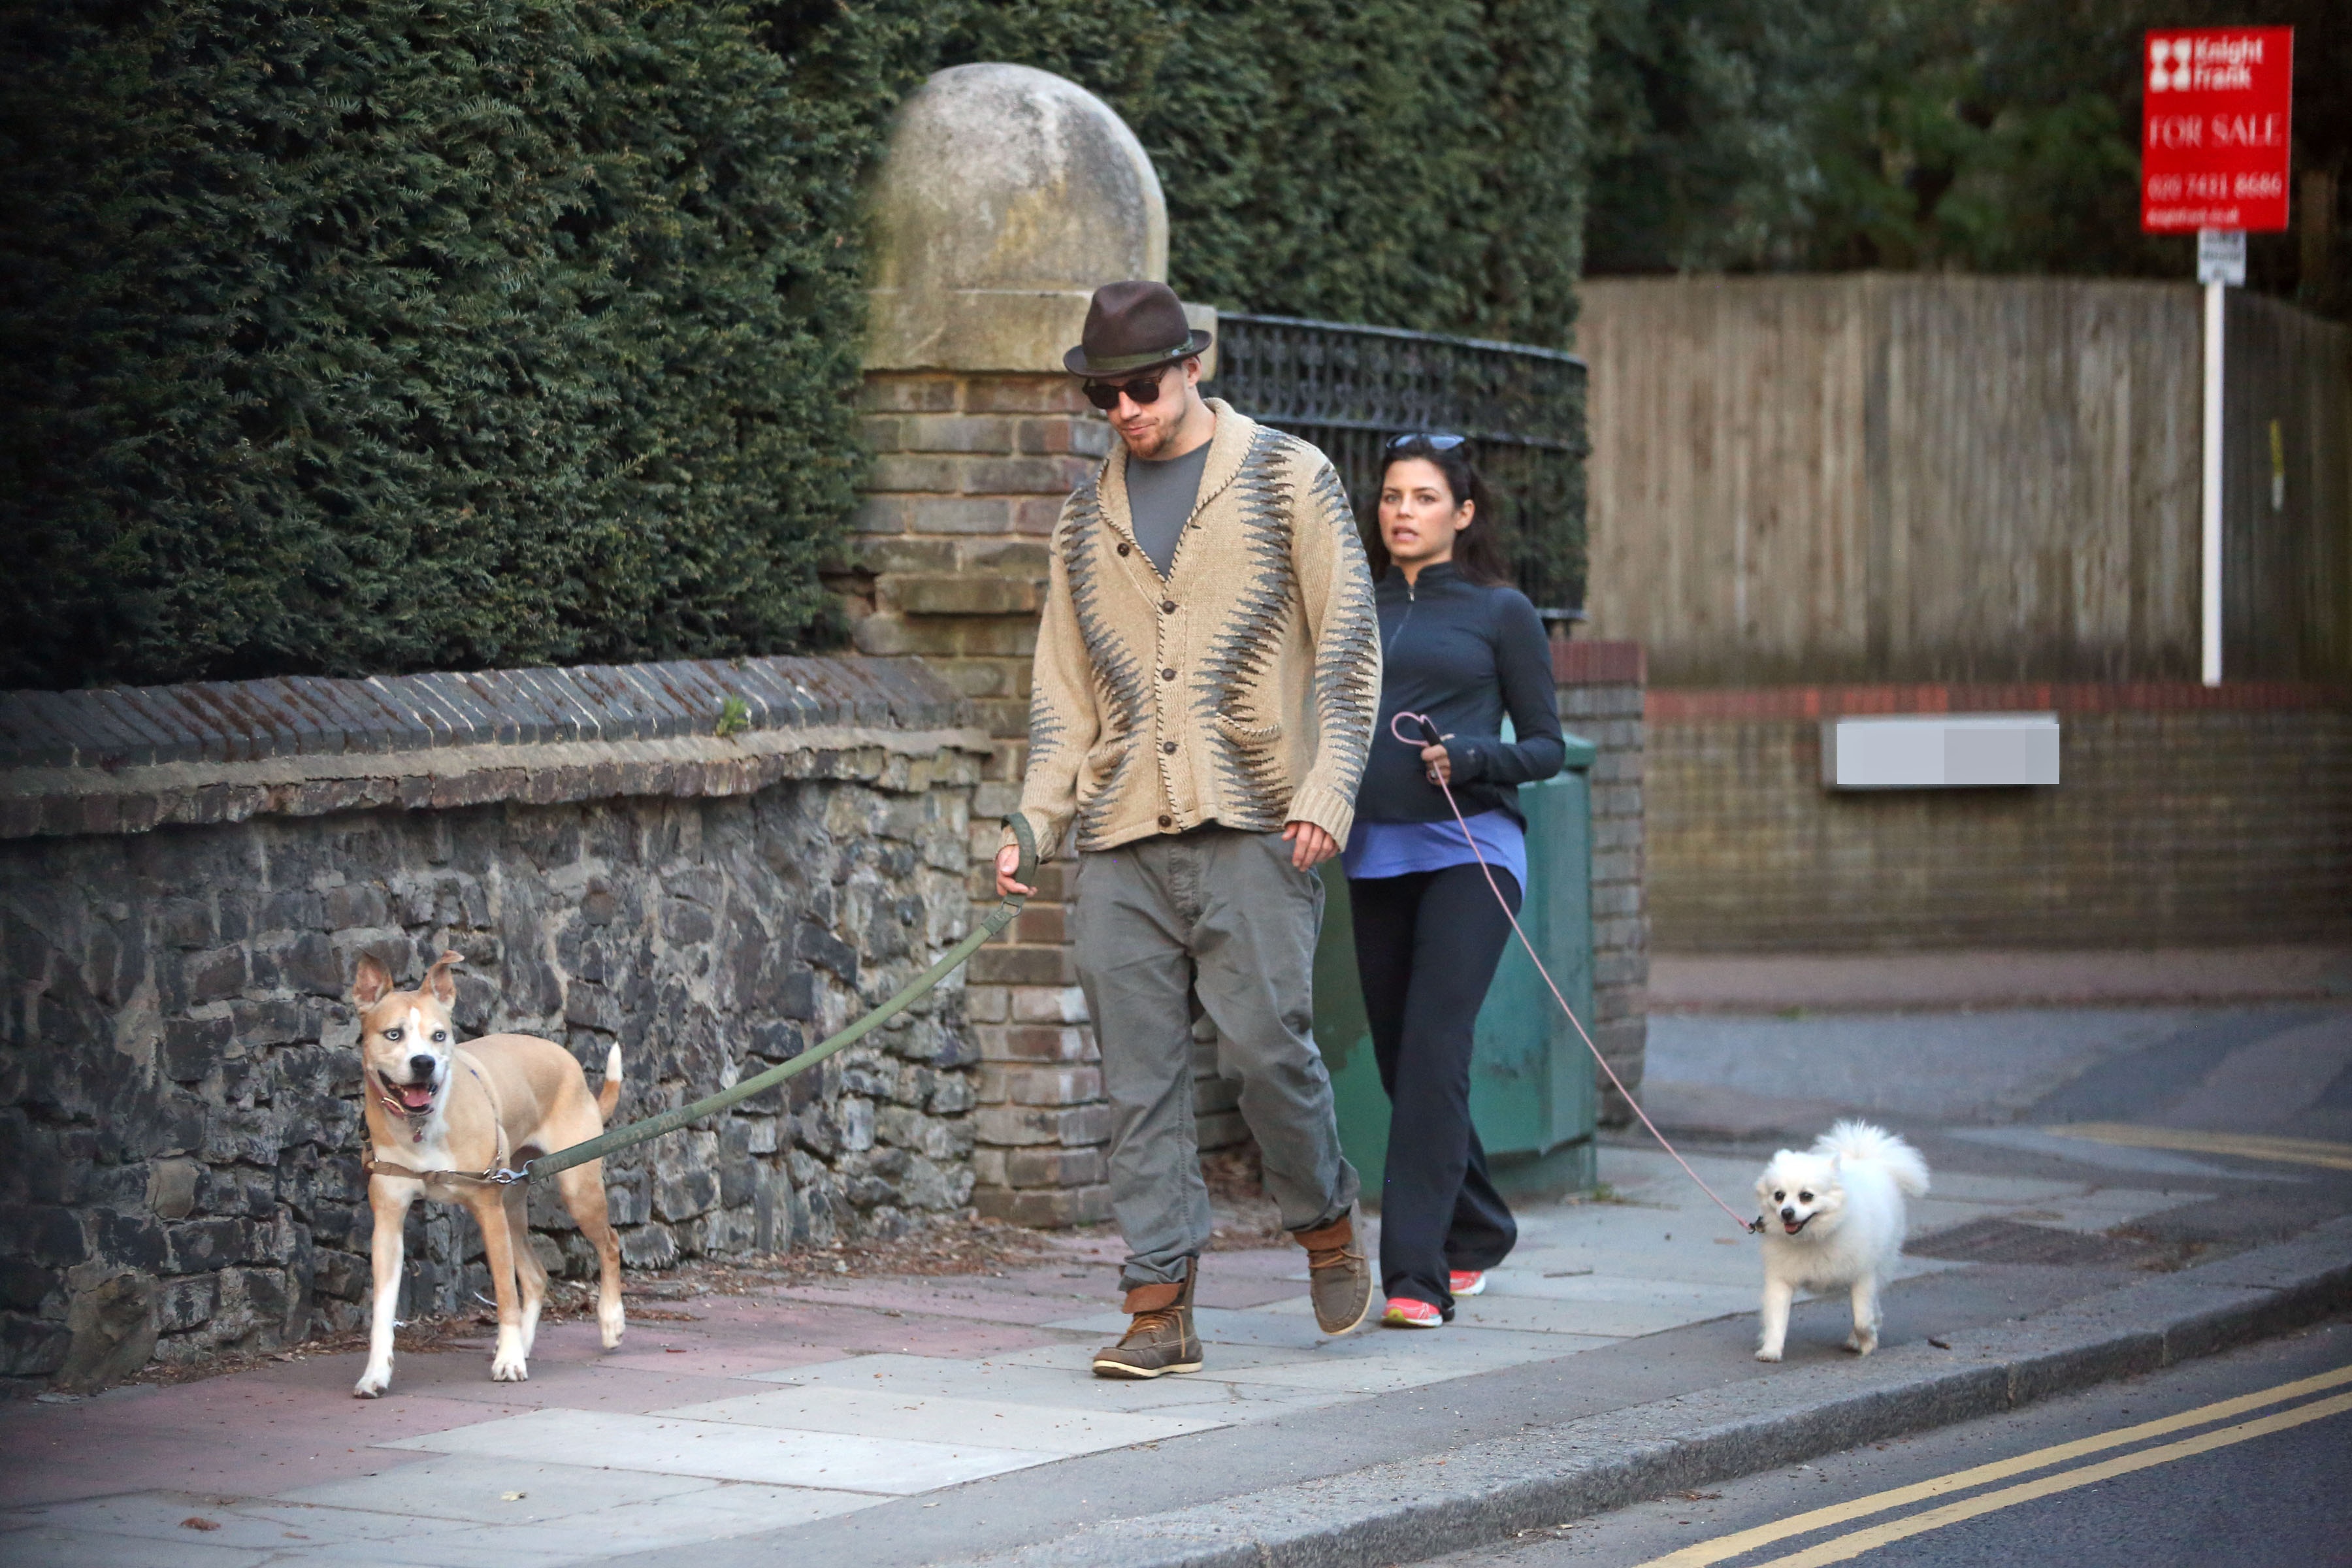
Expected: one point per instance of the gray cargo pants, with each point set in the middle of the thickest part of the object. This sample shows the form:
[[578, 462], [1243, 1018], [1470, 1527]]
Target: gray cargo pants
[[1224, 916]]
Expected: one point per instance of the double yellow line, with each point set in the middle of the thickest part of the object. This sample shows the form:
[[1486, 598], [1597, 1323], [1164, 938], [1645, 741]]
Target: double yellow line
[[1855, 1542]]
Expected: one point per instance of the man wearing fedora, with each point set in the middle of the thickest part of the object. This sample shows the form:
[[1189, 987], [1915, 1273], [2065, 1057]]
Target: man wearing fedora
[[1206, 678]]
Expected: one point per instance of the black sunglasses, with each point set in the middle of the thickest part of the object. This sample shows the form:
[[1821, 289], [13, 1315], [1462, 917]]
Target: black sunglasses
[[1430, 440], [1143, 389]]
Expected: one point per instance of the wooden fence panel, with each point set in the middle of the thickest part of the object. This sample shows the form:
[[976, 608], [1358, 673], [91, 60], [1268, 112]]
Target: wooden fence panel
[[2038, 513], [1725, 501], [1896, 477], [2286, 572]]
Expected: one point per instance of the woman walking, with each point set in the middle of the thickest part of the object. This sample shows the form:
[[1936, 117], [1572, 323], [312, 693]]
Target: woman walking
[[1462, 647]]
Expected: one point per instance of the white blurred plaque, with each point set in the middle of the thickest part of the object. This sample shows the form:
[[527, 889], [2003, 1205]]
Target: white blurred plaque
[[1940, 751]]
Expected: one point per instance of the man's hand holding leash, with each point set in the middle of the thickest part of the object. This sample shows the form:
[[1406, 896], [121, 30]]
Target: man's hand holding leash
[[1008, 864]]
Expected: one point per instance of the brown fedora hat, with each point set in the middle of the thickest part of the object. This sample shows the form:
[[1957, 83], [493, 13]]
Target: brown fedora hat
[[1133, 326]]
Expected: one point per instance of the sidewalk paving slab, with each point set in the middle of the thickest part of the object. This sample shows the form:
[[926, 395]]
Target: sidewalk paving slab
[[729, 1451], [872, 1413]]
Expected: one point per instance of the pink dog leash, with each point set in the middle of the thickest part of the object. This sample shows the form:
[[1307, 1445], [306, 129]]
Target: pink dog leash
[[1434, 739]]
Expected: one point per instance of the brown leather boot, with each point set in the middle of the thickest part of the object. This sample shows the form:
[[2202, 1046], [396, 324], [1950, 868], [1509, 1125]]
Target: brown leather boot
[[1160, 1339], [1339, 1275]]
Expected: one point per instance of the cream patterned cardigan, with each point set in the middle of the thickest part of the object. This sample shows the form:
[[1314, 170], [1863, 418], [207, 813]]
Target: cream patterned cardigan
[[1240, 690]]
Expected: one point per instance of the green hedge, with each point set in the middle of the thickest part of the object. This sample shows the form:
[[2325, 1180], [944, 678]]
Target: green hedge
[[1402, 162], [382, 336], [379, 336]]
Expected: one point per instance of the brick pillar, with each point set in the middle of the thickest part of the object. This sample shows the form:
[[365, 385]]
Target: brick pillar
[[1602, 687], [1007, 194], [948, 564]]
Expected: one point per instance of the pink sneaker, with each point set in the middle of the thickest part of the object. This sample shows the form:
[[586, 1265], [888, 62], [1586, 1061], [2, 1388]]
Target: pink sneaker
[[1471, 1283], [1404, 1312]]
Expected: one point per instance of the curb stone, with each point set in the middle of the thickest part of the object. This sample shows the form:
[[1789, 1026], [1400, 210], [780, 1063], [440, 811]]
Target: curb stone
[[1409, 1511]]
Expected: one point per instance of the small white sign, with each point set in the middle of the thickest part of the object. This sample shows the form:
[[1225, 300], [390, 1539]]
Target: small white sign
[[2222, 256], [1940, 751]]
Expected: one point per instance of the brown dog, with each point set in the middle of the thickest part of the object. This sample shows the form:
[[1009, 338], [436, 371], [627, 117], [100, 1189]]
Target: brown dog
[[432, 1107]]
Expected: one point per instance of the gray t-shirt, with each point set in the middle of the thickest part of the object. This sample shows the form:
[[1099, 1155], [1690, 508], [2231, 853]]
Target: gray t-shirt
[[1160, 496]]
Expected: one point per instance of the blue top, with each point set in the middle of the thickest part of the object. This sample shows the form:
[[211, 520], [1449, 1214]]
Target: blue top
[[1399, 848]]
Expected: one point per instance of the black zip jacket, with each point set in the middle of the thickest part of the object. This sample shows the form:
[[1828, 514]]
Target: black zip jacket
[[1465, 655]]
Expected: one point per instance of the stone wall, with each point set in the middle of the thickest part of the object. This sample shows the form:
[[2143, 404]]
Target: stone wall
[[2185, 816], [179, 1086], [1602, 687]]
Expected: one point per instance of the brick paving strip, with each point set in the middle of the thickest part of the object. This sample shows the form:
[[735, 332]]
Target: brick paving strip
[[818, 1400]]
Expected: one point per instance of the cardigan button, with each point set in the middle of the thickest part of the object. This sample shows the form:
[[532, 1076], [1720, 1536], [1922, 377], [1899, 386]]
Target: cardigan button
[[1167, 606], [1168, 747], [1126, 550], [1167, 822], [1166, 675]]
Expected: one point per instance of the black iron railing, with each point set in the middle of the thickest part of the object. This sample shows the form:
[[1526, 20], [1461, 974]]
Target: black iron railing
[[1348, 388]]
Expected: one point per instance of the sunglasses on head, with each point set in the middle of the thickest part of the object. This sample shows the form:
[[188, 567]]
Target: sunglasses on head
[[1143, 389], [1428, 440]]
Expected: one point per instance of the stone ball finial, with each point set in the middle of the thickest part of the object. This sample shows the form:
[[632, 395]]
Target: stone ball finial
[[1006, 198]]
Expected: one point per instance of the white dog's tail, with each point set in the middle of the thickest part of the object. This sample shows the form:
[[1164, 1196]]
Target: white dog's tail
[[1861, 1140], [610, 1095]]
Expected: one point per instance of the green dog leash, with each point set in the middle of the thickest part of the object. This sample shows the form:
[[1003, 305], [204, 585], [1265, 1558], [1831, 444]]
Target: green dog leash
[[636, 1133]]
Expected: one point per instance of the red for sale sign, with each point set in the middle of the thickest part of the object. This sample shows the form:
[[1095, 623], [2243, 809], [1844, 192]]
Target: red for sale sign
[[2214, 128]]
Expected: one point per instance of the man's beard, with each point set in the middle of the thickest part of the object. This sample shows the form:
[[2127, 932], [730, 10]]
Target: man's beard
[[1154, 442]]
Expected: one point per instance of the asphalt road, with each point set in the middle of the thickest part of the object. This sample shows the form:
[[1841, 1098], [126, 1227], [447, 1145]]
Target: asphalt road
[[2281, 1070], [2271, 1485]]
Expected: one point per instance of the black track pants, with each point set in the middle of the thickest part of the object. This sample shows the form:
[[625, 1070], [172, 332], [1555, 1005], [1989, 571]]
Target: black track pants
[[1426, 947]]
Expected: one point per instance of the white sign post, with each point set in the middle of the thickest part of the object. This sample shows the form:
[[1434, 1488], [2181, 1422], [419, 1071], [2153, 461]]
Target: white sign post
[[2221, 262]]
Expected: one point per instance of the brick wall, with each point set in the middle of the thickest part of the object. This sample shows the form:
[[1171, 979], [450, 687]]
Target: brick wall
[[2185, 816], [1600, 698]]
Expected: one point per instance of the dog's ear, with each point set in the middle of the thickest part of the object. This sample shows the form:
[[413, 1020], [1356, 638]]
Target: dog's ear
[[371, 982], [437, 980]]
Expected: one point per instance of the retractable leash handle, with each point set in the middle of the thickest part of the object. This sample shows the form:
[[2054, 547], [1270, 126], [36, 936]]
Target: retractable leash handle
[[1429, 736], [1434, 739], [637, 1132]]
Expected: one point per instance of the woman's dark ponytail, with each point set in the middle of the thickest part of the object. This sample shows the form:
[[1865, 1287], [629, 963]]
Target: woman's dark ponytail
[[1478, 555]]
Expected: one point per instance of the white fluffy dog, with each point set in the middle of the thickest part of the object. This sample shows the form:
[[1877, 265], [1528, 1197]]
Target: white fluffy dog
[[1833, 1220]]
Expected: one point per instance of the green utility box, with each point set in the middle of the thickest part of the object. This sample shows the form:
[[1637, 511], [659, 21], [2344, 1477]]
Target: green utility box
[[1532, 1079]]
